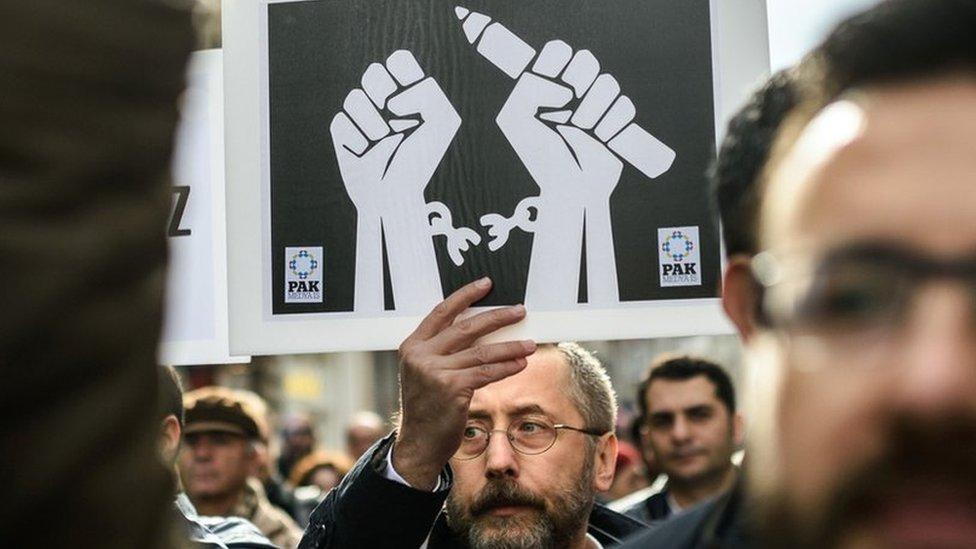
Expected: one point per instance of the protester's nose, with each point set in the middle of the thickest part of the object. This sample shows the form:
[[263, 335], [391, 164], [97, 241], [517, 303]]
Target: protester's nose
[[938, 377], [501, 458], [680, 430], [202, 450]]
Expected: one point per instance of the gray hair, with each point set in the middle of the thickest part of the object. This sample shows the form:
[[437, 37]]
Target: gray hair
[[590, 387]]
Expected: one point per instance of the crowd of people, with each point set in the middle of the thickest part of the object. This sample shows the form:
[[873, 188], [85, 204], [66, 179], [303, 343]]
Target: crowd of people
[[847, 192]]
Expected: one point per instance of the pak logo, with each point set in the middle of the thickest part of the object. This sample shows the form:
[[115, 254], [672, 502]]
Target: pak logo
[[679, 256], [303, 274]]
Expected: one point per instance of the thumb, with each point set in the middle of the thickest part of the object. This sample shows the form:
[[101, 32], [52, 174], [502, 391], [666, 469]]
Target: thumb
[[589, 152], [347, 140], [382, 151], [533, 91]]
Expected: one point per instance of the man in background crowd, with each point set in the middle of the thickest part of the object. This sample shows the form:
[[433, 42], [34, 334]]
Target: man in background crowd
[[861, 322], [219, 459], [689, 420], [362, 431], [297, 441], [207, 532]]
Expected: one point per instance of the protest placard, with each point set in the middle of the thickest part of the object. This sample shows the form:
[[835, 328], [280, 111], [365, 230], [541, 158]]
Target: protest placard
[[383, 154]]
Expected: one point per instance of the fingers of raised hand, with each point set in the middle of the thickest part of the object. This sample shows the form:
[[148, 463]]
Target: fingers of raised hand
[[477, 377], [466, 331], [446, 311], [492, 353]]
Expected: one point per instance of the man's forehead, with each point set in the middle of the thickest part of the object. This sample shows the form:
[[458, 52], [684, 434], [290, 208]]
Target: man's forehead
[[873, 168], [678, 394], [542, 385]]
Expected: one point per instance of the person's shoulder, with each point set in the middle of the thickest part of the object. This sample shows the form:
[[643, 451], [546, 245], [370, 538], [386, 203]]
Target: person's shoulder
[[610, 527], [236, 532], [678, 532]]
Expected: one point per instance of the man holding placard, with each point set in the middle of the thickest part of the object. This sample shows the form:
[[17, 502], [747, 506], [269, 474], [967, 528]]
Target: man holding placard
[[517, 439]]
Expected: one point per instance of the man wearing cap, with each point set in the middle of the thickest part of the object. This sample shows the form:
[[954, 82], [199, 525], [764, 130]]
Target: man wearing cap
[[219, 456], [204, 532]]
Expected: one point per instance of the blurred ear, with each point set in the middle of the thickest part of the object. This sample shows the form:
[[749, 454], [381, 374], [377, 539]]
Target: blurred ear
[[740, 296], [169, 438], [605, 463]]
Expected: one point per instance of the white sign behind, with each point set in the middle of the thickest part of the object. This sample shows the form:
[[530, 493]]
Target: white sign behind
[[195, 318]]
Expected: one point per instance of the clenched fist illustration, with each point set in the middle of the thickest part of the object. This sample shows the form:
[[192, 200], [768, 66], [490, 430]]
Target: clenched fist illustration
[[389, 139], [559, 118], [560, 146]]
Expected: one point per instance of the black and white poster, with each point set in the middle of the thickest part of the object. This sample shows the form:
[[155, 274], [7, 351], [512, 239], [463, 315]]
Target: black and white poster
[[405, 149]]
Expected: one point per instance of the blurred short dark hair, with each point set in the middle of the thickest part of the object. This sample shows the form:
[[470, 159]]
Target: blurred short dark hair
[[170, 394], [685, 367], [897, 41], [743, 153]]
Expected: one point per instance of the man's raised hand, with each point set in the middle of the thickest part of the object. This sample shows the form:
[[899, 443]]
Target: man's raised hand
[[441, 366]]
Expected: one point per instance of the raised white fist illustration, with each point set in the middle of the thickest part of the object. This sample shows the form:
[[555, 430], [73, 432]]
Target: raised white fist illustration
[[553, 141], [558, 119], [572, 129], [389, 139]]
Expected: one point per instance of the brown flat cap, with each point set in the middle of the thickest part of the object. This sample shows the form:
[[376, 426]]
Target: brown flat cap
[[219, 409]]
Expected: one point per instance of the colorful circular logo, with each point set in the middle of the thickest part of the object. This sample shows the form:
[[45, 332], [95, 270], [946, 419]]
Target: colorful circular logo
[[303, 264], [677, 246]]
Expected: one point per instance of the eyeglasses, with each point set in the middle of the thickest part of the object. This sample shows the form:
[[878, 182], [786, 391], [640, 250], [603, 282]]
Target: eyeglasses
[[528, 436], [851, 292]]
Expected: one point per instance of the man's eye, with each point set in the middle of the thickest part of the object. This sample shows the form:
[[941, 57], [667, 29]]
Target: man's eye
[[660, 422], [471, 432], [848, 303], [700, 414], [852, 294], [530, 427]]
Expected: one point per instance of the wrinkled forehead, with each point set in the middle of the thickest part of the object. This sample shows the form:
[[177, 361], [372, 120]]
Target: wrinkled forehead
[[894, 164], [542, 387]]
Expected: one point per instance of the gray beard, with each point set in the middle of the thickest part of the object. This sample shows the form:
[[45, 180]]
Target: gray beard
[[544, 529]]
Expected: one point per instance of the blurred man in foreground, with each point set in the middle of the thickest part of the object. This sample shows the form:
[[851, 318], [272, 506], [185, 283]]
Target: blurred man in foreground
[[690, 421], [219, 459], [864, 432], [86, 136], [516, 440], [869, 313]]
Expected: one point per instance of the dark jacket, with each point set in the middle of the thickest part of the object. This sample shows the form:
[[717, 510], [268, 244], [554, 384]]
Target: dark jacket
[[716, 524], [653, 509], [368, 510]]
